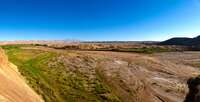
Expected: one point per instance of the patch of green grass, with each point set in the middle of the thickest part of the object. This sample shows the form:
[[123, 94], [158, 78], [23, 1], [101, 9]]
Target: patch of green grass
[[16, 46], [103, 90], [54, 83]]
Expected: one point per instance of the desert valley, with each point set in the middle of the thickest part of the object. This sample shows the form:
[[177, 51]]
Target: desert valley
[[96, 71], [99, 51]]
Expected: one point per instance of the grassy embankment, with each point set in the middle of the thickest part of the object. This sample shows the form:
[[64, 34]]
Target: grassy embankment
[[55, 83]]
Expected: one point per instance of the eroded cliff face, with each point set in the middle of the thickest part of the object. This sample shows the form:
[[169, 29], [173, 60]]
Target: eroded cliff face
[[13, 87]]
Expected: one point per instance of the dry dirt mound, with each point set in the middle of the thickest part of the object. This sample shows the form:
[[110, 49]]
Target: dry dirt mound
[[12, 86]]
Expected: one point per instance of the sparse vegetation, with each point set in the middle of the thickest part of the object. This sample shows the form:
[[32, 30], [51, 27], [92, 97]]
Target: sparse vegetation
[[139, 50], [52, 78], [117, 48], [99, 74]]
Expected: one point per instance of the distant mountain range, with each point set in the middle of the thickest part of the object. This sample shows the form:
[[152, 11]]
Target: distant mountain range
[[39, 42], [182, 41]]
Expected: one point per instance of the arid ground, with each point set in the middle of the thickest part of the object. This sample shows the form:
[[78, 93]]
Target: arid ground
[[60, 75]]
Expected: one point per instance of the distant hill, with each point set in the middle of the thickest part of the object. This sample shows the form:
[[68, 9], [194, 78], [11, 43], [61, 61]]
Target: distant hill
[[48, 42], [182, 41]]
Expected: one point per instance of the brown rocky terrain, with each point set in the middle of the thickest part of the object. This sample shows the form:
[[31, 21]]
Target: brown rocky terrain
[[12, 85]]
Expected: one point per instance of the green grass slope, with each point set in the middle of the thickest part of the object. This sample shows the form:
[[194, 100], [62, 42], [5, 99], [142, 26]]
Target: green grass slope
[[61, 77]]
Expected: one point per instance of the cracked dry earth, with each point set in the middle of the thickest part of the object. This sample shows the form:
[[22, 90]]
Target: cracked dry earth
[[12, 86], [147, 78]]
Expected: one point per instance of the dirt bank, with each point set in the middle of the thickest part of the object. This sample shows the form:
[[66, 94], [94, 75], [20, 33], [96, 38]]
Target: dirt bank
[[12, 85]]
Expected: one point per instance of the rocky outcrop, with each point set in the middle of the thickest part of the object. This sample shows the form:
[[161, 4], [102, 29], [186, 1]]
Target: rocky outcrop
[[13, 88], [194, 90]]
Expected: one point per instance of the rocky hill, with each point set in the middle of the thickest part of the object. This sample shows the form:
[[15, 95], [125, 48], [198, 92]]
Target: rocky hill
[[182, 41], [12, 85]]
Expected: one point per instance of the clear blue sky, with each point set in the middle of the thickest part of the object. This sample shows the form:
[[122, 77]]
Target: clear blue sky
[[98, 19]]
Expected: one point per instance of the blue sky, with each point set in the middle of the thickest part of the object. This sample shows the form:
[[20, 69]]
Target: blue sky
[[98, 19]]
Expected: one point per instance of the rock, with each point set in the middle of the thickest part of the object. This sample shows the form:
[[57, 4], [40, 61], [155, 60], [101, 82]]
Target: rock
[[194, 90]]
